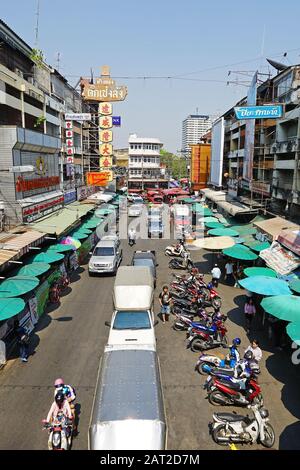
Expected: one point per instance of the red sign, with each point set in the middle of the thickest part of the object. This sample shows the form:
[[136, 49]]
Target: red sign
[[69, 134], [69, 124], [98, 178], [70, 151], [37, 211], [28, 185]]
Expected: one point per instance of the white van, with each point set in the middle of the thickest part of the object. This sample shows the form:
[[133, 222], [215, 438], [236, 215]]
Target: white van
[[133, 320]]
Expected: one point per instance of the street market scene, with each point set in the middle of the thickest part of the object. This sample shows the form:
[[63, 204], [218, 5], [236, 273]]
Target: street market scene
[[149, 296]]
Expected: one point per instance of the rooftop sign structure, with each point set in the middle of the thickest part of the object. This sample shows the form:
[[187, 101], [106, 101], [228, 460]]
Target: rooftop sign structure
[[105, 88]]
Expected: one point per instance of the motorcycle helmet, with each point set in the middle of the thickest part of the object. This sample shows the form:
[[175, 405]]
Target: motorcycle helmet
[[59, 382], [236, 341], [210, 285], [59, 398], [264, 413], [248, 355]]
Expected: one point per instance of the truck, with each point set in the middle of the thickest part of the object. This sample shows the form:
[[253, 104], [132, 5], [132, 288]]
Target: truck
[[128, 407], [133, 320]]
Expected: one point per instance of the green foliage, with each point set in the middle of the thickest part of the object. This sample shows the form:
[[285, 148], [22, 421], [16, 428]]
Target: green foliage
[[39, 121], [37, 56], [177, 165]]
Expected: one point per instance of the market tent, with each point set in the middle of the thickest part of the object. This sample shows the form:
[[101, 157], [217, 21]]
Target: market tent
[[295, 285], [60, 248], [34, 269], [214, 225], [257, 271], [260, 246], [291, 310], [293, 330], [18, 285], [223, 232], [213, 243], [265, 285], [49, 256], [10, 307], [240, 253]]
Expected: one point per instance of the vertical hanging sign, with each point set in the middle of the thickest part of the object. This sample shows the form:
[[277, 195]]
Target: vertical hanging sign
[[69, 142], [105, 136]]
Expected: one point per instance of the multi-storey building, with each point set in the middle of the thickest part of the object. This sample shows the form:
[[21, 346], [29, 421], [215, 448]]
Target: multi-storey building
[[144, 168], [193, 128]]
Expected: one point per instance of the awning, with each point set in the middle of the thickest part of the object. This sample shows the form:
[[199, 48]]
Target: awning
[[18, 285], [290, 239], [28, 201], [10, 308], [273, 227], [21, 243], [235, 207], [213, 195], [280, 259]]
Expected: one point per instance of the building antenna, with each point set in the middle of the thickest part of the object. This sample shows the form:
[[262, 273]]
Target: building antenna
[[197, 110], [37, 24], [262, 49], [58, 61]]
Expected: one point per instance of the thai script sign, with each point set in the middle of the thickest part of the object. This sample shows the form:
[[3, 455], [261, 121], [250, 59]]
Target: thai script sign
[[258, 112], [78, 117], [27, 185]]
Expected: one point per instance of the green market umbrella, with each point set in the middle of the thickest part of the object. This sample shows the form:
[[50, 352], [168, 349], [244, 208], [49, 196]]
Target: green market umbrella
[[84, 229], [188, 200], [238, 242], [80, 235], [60, 248], [90, 224], [101, 212], [295, 285], [293, 330], [209, 219], [10, 307], [18, 285], [284, 307], [203, 210], [49, 256], [256, 271], [213, 225], [247, 229], [260, 246], [34, 269], [266, 285], [223, 232], [240, 253]]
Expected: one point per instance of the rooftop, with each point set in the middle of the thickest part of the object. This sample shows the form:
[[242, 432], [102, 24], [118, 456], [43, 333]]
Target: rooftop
[[134, 139]]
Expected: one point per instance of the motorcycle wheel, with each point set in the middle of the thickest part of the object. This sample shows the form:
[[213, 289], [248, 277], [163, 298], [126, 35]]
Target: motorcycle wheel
[[216, 302], [178, 327], [269, 436], [217, 398], [200, 369], [197, 345], [258, 400], [225, 339], [218, 433]]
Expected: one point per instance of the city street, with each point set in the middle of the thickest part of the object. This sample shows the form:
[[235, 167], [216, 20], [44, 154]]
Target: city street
[[69, 342]]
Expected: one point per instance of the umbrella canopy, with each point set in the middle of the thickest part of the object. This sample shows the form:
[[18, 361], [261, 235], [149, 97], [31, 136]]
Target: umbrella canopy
[[213, 243], [293, 330], [249, 240], [72, 242], [188, 200], [200, 209], [260, 246], [295, 285], [50, 256], [34, 269], [259, 272], [208, 219], [223, 232], [80, 235], [18, 285], [84, 229], [100, 212], [238, 252], [247, 229], [265, 285], [284, 307], [10, 307], [239, 240], [90, 225], [60, 248], [213, 224]]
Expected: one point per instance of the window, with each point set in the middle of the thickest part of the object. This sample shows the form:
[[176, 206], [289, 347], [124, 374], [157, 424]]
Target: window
[[104, 251], [136, 320]]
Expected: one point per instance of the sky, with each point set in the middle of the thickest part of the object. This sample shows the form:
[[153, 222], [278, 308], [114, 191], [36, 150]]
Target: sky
[[191, 44]]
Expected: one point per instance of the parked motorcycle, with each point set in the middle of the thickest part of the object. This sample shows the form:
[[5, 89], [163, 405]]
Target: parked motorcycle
[[175, 250], [230, 427], [240, 392], [54, 294], [64, 282], [60, 433], [184, 322], [211, 337], [208, 363], [185, 263]]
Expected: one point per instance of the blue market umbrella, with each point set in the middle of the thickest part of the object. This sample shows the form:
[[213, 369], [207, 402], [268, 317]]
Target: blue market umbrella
[[265, 285]]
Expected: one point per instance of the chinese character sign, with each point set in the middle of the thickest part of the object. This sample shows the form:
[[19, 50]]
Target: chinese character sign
[[105, 109], [105, 122], [105, 162], [106, 136]]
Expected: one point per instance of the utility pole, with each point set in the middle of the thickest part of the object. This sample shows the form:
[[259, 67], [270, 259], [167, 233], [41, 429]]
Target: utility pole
[[36, 42]]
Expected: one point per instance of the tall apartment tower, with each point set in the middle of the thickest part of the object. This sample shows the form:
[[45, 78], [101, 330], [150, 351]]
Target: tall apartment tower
[[193, 128]]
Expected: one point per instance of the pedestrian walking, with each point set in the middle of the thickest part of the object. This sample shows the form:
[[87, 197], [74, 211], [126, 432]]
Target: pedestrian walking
[[131, 236], [23, 341], [229, 271], [255, 349], [249, 311], [165, 300], [216, 275]]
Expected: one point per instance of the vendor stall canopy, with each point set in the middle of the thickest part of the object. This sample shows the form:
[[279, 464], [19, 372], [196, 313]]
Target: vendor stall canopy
[[257, 271], [49, 256], [237, 252], [18, 285], [274, 305], [60, 248], [34, 269], [222, 232], [10, 307], [265, 285], [293, 330]]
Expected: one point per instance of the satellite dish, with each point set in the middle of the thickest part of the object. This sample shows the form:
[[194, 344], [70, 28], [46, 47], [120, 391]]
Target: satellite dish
[[277, 65]]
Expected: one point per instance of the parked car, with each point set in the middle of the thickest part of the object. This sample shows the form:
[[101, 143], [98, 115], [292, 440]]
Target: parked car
[[146, 258], [155, 228], [106, 256], [135, 210], [137, 200]]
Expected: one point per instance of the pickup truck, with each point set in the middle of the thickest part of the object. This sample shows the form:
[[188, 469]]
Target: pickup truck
[[146, 258]]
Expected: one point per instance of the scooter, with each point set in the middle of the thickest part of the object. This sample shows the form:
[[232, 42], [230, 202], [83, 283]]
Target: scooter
[[207, 364], [211, 295], [211, 337], [241, 392], [230, 427], [184, 322], [175, 250], [60, 433], [185, 263]]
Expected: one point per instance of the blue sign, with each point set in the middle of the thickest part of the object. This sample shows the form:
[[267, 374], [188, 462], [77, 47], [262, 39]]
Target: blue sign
[[116, 120], [70, 196], [258, 112]]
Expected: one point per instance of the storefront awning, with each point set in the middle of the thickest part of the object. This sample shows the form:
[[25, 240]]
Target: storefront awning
[[273, 227], [280, 259], [22, 242]]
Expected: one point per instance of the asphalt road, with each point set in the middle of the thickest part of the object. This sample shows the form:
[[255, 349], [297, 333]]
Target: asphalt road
[[70, 340]]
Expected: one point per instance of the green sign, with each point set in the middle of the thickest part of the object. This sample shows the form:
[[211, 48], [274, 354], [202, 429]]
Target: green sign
[[42, 294], [84, 250]]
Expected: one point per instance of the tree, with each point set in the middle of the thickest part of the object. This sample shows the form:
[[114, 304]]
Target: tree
[[174, 163]]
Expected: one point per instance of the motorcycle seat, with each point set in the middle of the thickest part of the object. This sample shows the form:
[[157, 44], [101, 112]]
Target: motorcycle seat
[[233, 385], [229, 417], [223, 370]]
